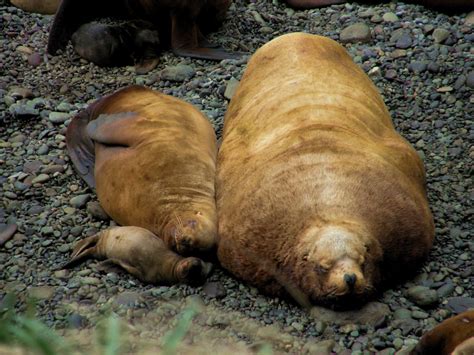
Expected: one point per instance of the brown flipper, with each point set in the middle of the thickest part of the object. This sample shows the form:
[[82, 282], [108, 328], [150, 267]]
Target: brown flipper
[[187, 41], [84, 249], [114, 129], [81, 147], [311, 4]]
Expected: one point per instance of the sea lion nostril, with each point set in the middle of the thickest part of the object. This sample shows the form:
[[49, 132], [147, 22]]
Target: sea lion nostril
[[350, 279]]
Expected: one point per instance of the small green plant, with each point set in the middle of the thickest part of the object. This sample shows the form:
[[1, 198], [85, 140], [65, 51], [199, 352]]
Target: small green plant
[[28, 332], [176, 336]]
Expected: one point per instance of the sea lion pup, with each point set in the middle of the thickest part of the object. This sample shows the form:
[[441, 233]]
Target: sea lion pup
[[135, 42], [142, 254], [442, 4], [151, 158], [453, 336], [317, 194], [45, 7], [180, 23]]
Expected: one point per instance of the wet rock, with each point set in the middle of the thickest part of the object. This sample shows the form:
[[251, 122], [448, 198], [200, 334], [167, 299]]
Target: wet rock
[[440, 35], [79, 201], [95, 209], [230, 88], [460, 304], [470, 80], [422, 296], [58, 117], [214, 290], [390, 17], [405, 41], [358, 32], [6, 232], [177, 73], [370, 314]]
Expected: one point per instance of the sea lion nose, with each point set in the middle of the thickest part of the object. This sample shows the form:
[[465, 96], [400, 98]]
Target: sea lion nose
[[350, 280]]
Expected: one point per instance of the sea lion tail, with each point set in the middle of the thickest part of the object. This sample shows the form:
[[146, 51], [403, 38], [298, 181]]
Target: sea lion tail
[[81, 147], [84, 249]]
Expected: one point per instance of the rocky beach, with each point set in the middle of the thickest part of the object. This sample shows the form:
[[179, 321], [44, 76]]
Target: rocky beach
[[420, 59]]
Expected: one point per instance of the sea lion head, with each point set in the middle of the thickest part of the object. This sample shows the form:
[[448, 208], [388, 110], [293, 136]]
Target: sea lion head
[[338, 266], [192, 271], [192, 233]]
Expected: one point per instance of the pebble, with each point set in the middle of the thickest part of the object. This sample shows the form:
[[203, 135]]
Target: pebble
[[358, 32], [440, 35], [40, 179], [404, 42], [214, 290], [470, 80], [422, 296], [418, 67], [58, 117], [390, 17], [79, 201], [231, 87], [177, 73], [95, 210]]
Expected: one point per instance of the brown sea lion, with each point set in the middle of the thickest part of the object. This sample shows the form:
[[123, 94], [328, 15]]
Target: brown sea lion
[[152, 160], [443, 4], [134, 42], [142, 254], [317, 194], [453, 336], [45, 7], [179, 22]]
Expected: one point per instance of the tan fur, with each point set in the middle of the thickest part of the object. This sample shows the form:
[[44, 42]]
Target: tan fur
[[142, 254], [156, 168], [45, 7], [452, 336], [313, 181]]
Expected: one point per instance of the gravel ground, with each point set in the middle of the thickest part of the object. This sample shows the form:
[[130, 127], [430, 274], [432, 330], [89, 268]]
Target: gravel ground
[[422, 62]]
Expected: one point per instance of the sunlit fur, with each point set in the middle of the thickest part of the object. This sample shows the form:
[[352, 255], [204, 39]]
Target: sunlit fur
[[314, 185]]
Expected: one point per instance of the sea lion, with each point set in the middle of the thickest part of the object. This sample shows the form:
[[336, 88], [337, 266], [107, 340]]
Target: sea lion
[[442, 4], [179, 22], [142, 254], [317, 194], [453, 336], [45, 7], [151, 158], [135, 42]]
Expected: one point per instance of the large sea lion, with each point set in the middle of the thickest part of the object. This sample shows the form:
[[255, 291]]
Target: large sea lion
[[151, 158], [442, 4], [453, 336], [180, 22], [143, 255], [317, 194]]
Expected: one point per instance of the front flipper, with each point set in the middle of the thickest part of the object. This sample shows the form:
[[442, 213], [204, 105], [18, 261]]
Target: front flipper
[[119, 129], [187, 41]]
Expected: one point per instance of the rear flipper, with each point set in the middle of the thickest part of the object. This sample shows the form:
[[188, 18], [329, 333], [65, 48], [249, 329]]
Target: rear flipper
[[84, 249], [81, 147]]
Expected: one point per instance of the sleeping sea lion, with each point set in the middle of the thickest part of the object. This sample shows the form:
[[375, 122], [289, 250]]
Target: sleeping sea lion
[[453, 336], [179, 22], [317, 194], [45, 7], [142, 254], [134, 42], [151, 158]]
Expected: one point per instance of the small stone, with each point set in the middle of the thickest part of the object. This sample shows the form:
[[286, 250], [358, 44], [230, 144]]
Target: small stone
[[61, 274], [34, 59], [214, 290], [397, 343], [40, 179], [128, 299], [445, 89], [419, 315], [417, 67], [470, 80], [445, 290], [76, 321], [79, 201], [440, 35], [231, 87], [6, 232], [422, 296], [404, 42], [370, 314], [43, 149], [402, 313], [19, 92], [324, 347], [460, 304], [88, 280], [95, 209], [390, 17], [469, 20], [358, 32], [390, 74], [58, 117], [177, 73], [41, 292]]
